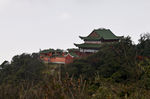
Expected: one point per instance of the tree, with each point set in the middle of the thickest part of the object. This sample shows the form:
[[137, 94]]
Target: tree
[[144, 45], [22, 67], [115, 61], [4, 64]]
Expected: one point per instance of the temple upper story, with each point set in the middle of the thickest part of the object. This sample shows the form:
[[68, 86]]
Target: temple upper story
[[96, 38]]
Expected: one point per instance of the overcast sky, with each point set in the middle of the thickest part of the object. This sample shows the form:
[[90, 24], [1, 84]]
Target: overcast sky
[[30, 25]]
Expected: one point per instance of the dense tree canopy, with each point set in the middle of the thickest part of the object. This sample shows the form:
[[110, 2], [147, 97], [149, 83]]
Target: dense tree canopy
[[144, 45], [22, 67], [117, 62]]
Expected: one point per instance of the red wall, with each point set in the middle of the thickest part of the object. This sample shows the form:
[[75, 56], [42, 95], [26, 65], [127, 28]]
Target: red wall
[[69, 59], [57, 59]]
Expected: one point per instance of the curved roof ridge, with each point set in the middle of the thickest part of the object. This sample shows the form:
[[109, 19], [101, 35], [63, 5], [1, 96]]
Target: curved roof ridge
[[106, 34]]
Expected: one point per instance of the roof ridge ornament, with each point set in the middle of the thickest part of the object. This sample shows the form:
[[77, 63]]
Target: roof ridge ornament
[[101, 29]]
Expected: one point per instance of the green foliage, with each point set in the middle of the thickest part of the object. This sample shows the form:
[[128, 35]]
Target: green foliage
[[144, 45], [48, 88], [145, 77], [116, 61], [23, 67], [115, 72]]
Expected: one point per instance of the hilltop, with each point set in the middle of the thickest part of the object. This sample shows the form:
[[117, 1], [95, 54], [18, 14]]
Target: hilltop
[[117, 71]]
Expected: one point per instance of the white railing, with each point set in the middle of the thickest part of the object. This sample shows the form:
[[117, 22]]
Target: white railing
[[93, 42], [88, 50]]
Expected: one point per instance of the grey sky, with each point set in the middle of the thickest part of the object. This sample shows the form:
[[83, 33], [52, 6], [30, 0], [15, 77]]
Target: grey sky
[[28, 25]]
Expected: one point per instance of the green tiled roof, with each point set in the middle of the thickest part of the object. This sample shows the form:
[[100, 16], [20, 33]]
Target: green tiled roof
[[47, 51], [59, 50], [86, 45], [106, 34], [102, 33], [50, 50], [60, 56], [120, 37], [90, 38], [73, 50], [74, 54]]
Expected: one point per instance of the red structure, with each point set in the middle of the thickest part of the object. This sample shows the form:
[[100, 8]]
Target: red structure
[[70, 57], [92, 43], [58, 56]]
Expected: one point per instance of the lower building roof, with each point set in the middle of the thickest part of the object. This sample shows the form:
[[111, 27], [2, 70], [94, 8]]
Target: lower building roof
[[73, 54], [86, 45]]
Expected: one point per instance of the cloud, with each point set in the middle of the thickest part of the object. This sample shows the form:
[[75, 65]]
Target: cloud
[[4, 3], [64, 16]]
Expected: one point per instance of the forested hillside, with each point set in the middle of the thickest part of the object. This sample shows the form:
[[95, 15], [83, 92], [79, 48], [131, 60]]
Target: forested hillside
[[118, 71]]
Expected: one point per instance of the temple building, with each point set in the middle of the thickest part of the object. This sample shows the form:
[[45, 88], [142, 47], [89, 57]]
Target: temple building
[[58, 56], [94, 41]]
